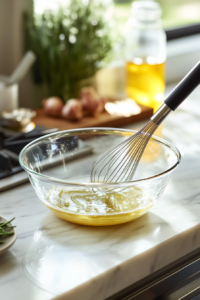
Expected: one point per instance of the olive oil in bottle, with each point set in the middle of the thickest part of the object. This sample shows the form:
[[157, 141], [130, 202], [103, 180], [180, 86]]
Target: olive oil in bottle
[[145, 83], [145, 54]]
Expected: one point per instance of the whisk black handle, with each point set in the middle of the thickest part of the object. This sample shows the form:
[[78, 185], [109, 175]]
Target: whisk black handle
[[184, 88]]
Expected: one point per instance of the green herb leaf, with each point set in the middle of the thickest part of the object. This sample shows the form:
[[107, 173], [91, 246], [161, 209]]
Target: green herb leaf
[[5, 229], [70, 45]]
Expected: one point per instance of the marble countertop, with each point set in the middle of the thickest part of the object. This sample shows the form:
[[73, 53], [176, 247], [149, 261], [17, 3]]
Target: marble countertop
[[52, 257]]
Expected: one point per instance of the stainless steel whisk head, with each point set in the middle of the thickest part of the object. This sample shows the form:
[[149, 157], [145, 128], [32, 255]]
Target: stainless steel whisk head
[[120, 163]]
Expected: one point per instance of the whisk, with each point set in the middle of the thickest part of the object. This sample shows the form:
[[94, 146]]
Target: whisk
[[120, 163]]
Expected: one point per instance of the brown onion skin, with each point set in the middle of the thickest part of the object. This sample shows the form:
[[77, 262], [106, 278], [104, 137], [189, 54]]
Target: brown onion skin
[[53, 106], [104, 100], [100, 107], [90, 99], [73, 110]]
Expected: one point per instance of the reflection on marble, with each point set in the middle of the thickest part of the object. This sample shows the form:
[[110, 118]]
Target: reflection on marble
[[51, 256], [74, 254]]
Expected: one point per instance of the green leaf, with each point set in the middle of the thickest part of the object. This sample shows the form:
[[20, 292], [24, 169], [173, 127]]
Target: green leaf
[[69, 48]]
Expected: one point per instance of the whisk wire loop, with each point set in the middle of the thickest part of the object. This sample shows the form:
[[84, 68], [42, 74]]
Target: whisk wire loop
[[120, 163]]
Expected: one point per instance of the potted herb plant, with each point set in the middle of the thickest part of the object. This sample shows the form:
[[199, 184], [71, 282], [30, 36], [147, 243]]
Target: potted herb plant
[[70, 45]]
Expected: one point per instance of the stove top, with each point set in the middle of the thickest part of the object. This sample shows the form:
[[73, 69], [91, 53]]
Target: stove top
[[11, 143]]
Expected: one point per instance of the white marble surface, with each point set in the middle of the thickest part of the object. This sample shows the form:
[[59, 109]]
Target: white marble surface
[[52, 257]]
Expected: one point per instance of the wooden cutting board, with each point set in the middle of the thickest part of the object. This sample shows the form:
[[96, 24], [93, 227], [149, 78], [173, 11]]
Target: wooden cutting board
[[101, 120]]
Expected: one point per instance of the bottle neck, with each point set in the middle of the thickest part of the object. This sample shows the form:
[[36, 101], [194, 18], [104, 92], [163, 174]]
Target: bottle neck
[[146, 23]]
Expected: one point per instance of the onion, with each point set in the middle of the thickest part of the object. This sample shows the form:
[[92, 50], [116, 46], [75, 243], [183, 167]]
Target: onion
[[73, 110], [104, 100], [53, 106], [100, 107], [90, 99]]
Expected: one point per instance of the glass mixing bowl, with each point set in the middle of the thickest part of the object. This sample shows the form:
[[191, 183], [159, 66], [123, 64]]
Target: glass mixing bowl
[[59, 166]]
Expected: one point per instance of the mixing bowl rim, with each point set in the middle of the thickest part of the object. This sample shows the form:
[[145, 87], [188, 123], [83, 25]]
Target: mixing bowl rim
[[97, 184]]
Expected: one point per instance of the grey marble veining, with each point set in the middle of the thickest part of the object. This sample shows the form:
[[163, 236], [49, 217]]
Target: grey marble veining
[[52, 257]]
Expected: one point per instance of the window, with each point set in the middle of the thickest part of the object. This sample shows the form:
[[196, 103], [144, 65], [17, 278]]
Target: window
[[176, 13], [181, 14]]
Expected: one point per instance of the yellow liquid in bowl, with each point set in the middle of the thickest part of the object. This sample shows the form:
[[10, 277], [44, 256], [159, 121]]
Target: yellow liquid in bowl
[[83, 206]]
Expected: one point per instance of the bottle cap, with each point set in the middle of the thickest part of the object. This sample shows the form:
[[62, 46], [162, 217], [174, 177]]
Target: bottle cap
[[146, 10]]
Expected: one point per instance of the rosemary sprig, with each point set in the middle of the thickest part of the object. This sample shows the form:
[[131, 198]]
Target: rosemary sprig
[[5, 229]]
